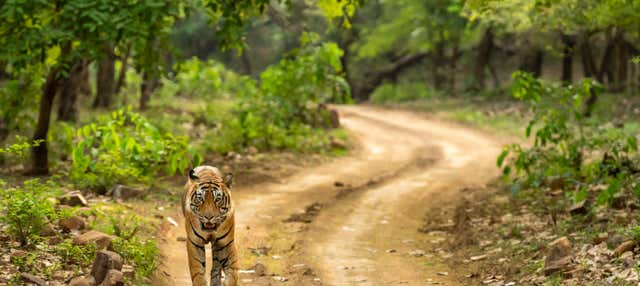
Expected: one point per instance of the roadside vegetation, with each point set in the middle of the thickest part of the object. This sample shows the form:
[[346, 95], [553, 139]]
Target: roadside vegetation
[[565, 210]]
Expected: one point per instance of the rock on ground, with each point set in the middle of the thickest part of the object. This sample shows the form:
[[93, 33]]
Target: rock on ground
[[73, 199], [48, 230], [122, 192], [101, 240], [559, 256], [337, 143], [128, 271], [105, 261], [260, 269], [33, 279], [72, 223], [624, 247], [83, 281], [113, 278]]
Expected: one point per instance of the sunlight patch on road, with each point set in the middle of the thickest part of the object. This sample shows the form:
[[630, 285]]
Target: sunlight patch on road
[[454, 156]]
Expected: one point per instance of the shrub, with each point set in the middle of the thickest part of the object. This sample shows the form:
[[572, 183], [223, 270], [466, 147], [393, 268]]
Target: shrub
[[82, 255], [208, 79], [287, 107], [580, 152], [61, 139], [124, 147], [20, 148], [143, 254], [27, 209], [402, 92]]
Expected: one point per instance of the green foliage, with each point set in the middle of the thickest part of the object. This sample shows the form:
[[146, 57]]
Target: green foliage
[[27, 209], [25, 263], [407, 26], [19, 97], [581, 153], [81, 255], [124, 147], [18, 149], [61, 140], [388, 93], [286, 108], [143, 254], [209, 79]]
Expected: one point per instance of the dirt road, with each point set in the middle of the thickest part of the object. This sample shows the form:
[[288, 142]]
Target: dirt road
[[403, 165]]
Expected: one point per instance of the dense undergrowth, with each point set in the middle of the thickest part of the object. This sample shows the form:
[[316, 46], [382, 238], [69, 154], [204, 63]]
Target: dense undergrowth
[[584, 156]]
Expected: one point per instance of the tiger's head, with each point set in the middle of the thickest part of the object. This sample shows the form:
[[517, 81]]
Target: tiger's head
[[208, 196]]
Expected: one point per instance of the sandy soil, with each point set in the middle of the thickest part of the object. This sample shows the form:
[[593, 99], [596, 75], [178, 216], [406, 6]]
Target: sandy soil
[[403, 165]]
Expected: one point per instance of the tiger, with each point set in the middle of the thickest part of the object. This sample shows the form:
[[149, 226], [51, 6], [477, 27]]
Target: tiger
[[209, 218]]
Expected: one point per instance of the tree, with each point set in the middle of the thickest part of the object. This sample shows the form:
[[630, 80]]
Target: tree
[[58, 34], [415, 30]]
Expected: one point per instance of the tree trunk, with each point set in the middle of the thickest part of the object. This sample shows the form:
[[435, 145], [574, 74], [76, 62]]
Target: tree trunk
[[589, 68], [622, 62], [483, 58], [149, 83], [346, 38], [606, 68], [3, 72], [122, 75], [453, 66], [632, 79], [436, 68], [532, 62], [39, 153], [84, 86], [568, 45], [389, 73], [246, 63], [105, 78], [494, 76], [67, 108]]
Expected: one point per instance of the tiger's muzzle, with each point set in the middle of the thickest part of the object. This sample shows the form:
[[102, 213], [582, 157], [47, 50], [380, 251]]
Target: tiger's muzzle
[[211, 224]]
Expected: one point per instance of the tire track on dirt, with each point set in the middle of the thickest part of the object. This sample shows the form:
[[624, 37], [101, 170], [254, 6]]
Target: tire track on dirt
[[348, 242]]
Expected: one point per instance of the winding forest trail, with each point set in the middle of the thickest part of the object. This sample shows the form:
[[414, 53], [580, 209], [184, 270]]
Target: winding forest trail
[[404, 164]]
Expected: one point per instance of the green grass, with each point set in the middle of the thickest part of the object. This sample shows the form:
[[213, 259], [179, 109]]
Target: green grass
[[500, 113], [483, 113]]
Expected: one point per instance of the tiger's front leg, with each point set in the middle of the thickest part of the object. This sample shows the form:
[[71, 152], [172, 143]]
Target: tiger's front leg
[[225, 259], [216, 268], [231, 275], [196, 256]]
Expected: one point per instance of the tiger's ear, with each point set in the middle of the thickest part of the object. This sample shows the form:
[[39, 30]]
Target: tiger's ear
[[228, 180], [192, 175]]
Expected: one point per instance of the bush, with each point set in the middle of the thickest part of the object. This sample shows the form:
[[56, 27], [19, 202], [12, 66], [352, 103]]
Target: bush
[[208, 79], [17, 150], [584, 155], [286, 110], [124, 147], [142, 254], [82, 255], [61, 140], [27, 209], [402, 92]]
